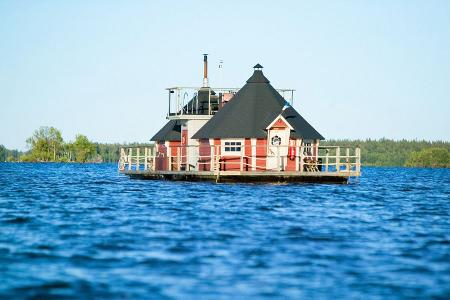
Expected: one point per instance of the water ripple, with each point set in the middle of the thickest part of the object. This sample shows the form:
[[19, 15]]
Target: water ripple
[[74, 231]]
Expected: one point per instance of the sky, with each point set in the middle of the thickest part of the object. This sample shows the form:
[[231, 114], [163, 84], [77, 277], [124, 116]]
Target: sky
[[361, 69]]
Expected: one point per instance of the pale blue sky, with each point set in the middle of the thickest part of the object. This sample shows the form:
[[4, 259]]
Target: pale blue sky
[[362, 69]]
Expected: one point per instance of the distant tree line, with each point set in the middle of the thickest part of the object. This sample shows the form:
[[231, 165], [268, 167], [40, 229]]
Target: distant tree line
[[47, 145], [9, 155], [386, 152]]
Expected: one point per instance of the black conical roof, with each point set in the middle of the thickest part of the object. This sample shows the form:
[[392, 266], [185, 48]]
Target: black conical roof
[[251, 110], [258, 77]]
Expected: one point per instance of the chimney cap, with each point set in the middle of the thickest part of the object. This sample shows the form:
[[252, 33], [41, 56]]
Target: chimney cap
[[257, 66]]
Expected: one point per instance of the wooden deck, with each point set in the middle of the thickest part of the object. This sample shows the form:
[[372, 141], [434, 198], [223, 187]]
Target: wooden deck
[[327, 166], [237, 176]]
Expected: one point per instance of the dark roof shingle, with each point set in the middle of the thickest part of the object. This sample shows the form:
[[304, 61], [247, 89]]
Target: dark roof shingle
[[251, 110], [170, 132]]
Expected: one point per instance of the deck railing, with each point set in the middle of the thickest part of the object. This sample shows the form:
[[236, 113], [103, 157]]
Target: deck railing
[[185, 100], [322, 159]]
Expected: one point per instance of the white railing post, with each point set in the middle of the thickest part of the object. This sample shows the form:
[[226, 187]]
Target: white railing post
[[130, 152], [301, 159], [211, 158], [338, 159], [347, 160], [188, 165], [169, 158], [278, 159], [145, 159], [326, 159], [217, 159], [217, 163], [137, 159], [179, 158], [242, 160], [358, 160], [122, 159]]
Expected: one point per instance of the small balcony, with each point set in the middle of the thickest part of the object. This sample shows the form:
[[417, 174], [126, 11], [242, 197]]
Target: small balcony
[[204, 102]]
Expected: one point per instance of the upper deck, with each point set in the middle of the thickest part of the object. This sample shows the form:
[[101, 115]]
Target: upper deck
[[204, 102]]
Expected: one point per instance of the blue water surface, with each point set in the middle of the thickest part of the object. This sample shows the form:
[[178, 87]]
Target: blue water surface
[[83, 231]]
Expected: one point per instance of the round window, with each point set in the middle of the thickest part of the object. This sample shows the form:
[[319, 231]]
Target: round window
[[276, 141]]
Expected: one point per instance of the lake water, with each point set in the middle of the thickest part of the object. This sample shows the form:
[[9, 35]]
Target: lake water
[[70, 231]]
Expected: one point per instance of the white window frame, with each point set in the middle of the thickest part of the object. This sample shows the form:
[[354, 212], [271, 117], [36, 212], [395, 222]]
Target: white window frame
[[232, 146]]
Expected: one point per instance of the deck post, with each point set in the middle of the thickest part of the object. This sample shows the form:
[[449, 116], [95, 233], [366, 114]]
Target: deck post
[[347, 160], [358, 160], [120, 159], [242, 161], [178, 101], [211, 158], [130, 152], [145, 159], [179, 158], [253, 151], [296, 155], [326, 159], [217, 163], [338, 159], [137, 159], [278, 159], [169, 158], [188, 165], [301, 159]]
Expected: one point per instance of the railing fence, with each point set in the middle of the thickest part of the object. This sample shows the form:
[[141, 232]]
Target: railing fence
[[328, 159]]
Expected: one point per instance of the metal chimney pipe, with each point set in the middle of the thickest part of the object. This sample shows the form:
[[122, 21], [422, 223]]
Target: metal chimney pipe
[[205, 70]]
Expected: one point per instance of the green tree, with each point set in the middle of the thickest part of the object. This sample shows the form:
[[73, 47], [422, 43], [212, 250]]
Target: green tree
[[83, 148], [431, 157], [3, 153], [46, 144]]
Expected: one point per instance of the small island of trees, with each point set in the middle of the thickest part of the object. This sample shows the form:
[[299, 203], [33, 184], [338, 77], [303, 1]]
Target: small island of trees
[[47, 145]]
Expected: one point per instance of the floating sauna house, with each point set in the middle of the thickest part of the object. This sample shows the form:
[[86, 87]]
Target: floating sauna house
[[251, 134]]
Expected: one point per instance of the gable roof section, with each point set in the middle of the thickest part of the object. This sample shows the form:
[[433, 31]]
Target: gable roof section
[[280, 121], [251, 110], [170, 132]]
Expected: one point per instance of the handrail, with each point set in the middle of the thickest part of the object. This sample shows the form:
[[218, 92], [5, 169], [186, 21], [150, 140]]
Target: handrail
[[180, 96], [213, 159]]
